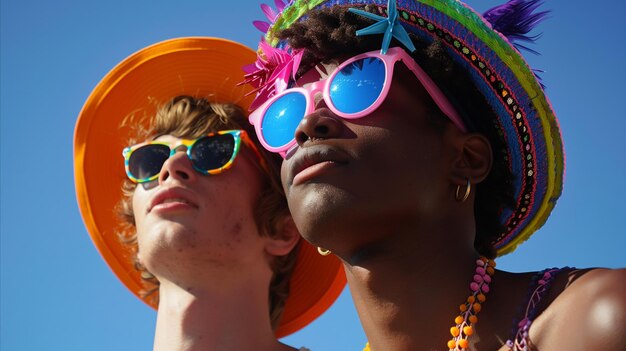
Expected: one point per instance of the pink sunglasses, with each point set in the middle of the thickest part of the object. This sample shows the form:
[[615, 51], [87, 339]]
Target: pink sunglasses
[[355, 89]]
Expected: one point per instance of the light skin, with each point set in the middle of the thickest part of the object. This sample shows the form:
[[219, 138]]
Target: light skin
[[379, 192], [198, 236]]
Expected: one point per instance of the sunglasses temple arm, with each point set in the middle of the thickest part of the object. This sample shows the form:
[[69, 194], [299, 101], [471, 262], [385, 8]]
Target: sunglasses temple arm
[[436, 94]]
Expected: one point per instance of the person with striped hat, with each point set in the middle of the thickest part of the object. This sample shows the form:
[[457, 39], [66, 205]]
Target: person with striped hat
[[418, 146]]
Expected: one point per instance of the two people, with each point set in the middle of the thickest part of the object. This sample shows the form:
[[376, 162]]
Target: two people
[[418, 155]]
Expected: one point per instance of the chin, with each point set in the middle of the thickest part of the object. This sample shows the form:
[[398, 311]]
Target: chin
[[166, 236], [320, 213]]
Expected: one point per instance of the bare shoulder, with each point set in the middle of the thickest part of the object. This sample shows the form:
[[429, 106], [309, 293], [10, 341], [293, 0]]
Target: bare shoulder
[[587, 313]]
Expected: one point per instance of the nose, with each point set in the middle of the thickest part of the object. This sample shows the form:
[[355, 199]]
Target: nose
[[321, 124], [177, 167]]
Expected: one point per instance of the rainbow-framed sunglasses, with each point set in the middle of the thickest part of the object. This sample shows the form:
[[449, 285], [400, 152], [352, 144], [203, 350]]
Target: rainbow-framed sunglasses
[[355, 89], [212, 153]]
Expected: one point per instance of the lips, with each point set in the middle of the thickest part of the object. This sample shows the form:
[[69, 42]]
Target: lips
[[314, 161], [172, 197]]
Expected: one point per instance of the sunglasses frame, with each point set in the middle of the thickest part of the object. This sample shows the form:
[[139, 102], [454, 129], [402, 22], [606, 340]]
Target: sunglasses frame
[[238, 136], [389, 59]]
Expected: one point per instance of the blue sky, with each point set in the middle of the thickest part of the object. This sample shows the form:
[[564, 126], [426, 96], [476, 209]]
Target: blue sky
[[56, 291]]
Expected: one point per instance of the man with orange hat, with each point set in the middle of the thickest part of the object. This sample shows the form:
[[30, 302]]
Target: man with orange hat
[[203, 232]]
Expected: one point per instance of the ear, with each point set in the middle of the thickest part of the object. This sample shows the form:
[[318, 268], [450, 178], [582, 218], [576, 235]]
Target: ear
[[473, 159], [284, 240]]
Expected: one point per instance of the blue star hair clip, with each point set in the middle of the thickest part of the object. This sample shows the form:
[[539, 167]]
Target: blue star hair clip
[[388, 25]]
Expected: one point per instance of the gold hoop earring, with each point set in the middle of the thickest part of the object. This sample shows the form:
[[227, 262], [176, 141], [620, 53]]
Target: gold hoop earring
[[323, 252], [468, 188]]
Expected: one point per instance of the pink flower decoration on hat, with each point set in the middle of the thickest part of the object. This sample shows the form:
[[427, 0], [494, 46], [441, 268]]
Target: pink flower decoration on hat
[[271, 72], [270, 14], [274, 67]]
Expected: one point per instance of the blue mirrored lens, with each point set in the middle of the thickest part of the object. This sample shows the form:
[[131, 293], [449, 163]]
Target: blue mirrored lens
[[357, 86], [282, 118]]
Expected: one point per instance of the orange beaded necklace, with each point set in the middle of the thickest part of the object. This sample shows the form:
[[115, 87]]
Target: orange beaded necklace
[[468, 311]]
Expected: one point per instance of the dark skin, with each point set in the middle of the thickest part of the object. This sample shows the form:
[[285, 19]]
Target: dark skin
[[379, 192]]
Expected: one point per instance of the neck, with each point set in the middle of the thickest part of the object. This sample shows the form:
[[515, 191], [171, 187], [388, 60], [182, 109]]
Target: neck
[[210, 319], [406, 297]]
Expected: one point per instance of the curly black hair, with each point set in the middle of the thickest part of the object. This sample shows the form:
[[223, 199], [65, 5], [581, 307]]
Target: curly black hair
[[329, 33]]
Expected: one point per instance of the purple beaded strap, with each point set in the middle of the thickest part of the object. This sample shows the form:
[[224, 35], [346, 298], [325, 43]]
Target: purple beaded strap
[[544, 280]]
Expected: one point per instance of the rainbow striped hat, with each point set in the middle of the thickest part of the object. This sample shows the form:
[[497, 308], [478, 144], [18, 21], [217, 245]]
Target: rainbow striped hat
[[482, 45]]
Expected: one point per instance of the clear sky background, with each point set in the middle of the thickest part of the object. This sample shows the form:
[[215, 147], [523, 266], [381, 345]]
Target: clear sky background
[[56, 291]]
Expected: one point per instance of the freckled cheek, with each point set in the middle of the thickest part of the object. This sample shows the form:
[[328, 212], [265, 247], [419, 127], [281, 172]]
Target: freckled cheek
[[228, 217], [235, 235], [235, 231]]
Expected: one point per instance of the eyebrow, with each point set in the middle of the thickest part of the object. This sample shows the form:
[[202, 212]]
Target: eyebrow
[[156, 136]]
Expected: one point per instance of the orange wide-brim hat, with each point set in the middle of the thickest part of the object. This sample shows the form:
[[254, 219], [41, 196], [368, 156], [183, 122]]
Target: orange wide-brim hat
[[200, 67]]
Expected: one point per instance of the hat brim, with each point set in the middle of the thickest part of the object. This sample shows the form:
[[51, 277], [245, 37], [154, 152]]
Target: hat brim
[[196, 66]]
